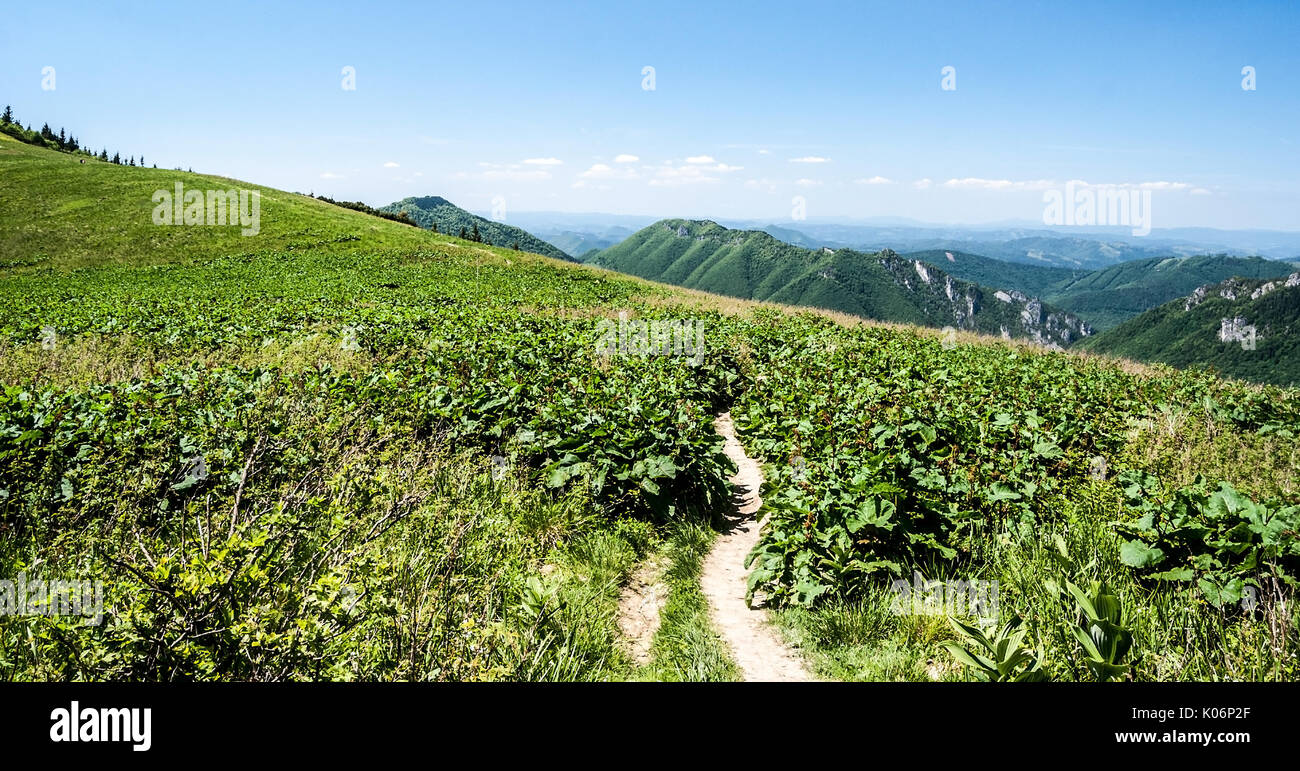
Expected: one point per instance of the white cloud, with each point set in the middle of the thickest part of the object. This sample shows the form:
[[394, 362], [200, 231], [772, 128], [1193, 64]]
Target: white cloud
[[765, 151], [543, 161], [763, 184], [874, 181], [807, 182], [1200, 191], [1163, 185], [603, 171], [699, 169], [331, 175], [975, 183], [810, 159], [922, 184], [517, 175], [625, 158], [509, 172], [391, 165], [1008, 185]]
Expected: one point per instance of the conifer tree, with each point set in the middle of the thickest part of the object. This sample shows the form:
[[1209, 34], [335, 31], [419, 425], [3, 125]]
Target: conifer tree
[[8, 116]]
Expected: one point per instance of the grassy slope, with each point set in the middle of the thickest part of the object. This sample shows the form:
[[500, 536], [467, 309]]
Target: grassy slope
[[58, 212]]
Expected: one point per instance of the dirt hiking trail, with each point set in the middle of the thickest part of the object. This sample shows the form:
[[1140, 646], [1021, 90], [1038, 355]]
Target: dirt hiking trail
[[755, 644]]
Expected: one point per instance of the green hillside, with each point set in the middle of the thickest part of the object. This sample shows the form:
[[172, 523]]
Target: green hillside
[[1213, 328], [349, 449], [1112, 295], [431, 210], [755, 265]]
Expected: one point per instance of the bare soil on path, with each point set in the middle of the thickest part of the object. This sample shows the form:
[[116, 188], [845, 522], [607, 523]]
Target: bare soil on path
[[755, 644]]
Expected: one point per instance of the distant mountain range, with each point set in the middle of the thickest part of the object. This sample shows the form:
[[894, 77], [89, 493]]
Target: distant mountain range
[[431, 210], [1243, 327], [752, 264], [1079, 248]]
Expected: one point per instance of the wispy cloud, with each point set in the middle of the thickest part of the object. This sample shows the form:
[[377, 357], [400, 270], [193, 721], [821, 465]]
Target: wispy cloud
[[874, 181], [976, 183], [1007, 185], [625, 158], [923, 184], [605, 171], [700, 169], [391, 165], [810, 159], [508, 172], [543, 161], [331, 175]]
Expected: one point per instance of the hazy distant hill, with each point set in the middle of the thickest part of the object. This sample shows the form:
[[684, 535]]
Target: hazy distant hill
[[450, 219], [579, 243], [701, 254]]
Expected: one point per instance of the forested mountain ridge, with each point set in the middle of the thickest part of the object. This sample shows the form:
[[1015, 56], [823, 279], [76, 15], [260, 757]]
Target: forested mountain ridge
[[700, 254], [1110, 296], [1244, 327]]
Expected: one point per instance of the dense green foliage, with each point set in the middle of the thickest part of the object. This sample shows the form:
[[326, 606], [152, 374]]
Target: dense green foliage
[[1220, 539], [442, 215], [957, 462]]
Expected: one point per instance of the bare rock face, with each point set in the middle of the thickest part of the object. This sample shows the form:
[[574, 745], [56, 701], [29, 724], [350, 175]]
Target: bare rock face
[[1289, 281], [1238, 330], [1235, 288], [961, 301]]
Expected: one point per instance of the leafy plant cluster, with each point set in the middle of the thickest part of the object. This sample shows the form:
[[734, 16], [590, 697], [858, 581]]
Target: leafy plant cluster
[[1211, 536], [909, 453]]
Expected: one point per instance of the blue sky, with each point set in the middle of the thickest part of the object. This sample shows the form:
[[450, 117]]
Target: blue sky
[[542, 105]]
